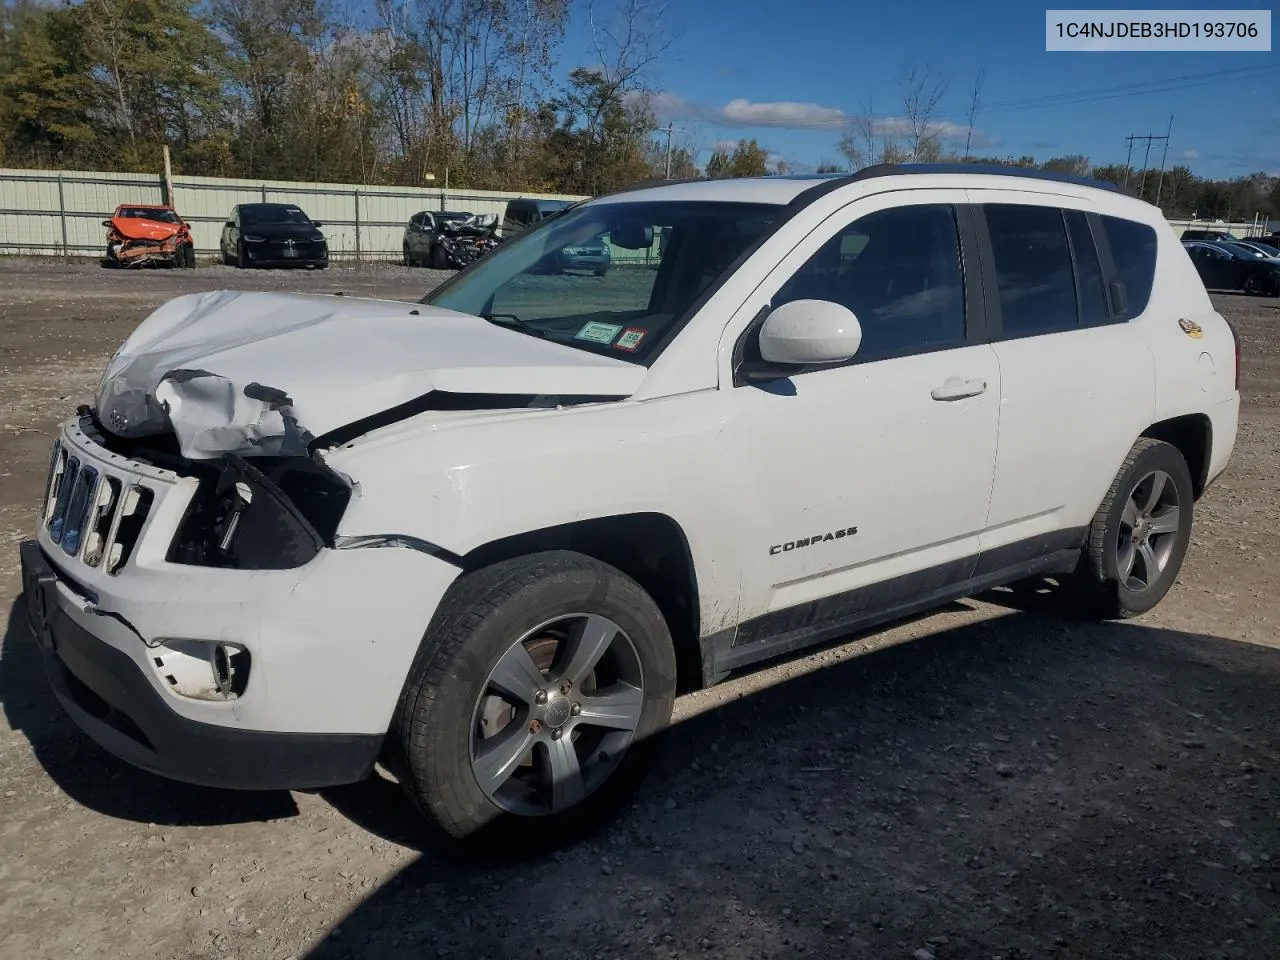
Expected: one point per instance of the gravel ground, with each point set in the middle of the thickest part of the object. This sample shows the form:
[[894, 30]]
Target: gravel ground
[[1008, 784]]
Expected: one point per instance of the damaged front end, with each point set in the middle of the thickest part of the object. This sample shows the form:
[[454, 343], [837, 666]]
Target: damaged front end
[[274, 513]]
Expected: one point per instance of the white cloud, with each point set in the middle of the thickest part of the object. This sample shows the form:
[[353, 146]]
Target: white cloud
[[793, 115], [1190, 154], [785, 114]]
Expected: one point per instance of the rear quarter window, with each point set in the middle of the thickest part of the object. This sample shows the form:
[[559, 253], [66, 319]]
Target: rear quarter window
[[1133, 250]]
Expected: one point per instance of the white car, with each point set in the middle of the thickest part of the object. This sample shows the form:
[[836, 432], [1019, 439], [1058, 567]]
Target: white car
[[484, 538]]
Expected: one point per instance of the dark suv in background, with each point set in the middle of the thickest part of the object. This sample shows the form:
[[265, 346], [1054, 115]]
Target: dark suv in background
[[273, 235]]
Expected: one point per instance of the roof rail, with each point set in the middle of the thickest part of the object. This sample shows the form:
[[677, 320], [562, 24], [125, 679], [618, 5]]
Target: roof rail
[[989, 169]]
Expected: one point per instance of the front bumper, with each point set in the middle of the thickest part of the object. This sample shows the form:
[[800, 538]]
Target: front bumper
[[109, 698], [330, 643]]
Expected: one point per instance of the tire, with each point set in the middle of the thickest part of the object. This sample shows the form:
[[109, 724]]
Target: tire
[[439, 259], [1251, 285], [602, 271], [449, 697], [189, 256], [242, 256], [109, 260], [408, 258], [1099, 585], [227, 259]]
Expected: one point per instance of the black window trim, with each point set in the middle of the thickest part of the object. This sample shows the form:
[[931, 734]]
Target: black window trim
[[976, 323], [1105, 266]]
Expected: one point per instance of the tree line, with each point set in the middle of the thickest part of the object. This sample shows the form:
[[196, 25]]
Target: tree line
[[399, 91]]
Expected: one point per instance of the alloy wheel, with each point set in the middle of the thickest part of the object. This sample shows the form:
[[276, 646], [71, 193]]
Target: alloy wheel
[[557, 712], [1148, 531]]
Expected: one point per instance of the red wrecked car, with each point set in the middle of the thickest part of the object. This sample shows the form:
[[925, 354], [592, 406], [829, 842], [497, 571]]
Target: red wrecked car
[[140, 233]]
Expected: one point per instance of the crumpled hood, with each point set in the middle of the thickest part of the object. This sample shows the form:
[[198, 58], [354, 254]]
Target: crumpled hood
[[137, 229], [266, 373]]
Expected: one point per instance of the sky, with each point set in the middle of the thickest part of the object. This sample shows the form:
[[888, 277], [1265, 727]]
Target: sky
[[791, 73]]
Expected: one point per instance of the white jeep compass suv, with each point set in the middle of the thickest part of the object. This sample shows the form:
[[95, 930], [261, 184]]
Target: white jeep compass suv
[[482, 538]]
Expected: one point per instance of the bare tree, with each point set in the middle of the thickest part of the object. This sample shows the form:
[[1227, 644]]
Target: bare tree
[[975, 91], [628, 39], [859, 144], [922, 92]]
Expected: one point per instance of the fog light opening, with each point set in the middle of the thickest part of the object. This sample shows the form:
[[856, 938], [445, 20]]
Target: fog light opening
[[202, 669]]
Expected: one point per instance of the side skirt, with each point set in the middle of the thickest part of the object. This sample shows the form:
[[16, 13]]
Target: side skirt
[[781, 632]]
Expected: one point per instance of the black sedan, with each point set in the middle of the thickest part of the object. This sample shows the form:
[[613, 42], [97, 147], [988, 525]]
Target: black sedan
[[273, 235], [1222, 268]]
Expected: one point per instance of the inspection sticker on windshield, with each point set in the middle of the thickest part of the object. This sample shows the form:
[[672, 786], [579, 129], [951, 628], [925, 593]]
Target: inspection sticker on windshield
[[598, 332], [630, 338]]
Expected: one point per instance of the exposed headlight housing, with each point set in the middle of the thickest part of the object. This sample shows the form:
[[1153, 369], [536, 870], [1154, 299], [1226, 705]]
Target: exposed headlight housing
[[249, 239], [274, 518]]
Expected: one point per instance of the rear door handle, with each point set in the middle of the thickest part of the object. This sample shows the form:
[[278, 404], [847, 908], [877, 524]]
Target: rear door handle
[[958, 388]]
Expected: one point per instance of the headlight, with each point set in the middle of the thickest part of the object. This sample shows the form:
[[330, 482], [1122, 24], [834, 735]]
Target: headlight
[[255, 239], [318, 238], [246, 520]]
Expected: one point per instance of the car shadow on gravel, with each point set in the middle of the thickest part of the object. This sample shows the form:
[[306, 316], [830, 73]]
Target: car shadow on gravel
[[1022, 787], [93, 777]]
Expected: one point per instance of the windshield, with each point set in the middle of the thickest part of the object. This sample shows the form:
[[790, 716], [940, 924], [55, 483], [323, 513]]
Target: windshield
[[148, 213], [662, 256], [255, 216]]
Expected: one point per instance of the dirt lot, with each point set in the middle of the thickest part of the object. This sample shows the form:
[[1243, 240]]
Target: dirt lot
[[1007, 785]]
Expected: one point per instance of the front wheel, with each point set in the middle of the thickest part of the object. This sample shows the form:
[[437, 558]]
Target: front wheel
[[242, 256], [1139, 535], [439, 257], [534, 705], [189, 256], [1252, 287]]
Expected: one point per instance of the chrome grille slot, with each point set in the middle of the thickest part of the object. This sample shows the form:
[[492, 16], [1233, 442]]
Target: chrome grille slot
[[66, 483], [102, 520], [84, 488], [135, 505], [57, 460]]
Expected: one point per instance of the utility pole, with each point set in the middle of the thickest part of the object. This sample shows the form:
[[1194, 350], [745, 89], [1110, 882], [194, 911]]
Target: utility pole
[[670, 129], [1148, 137], [1163, 158]]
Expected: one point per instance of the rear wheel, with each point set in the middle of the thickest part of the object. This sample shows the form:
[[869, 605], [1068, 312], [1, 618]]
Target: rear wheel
[[532, 709], [1139, 536]]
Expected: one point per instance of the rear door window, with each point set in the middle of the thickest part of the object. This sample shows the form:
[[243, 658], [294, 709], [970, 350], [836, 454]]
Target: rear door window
[[1034, 277]]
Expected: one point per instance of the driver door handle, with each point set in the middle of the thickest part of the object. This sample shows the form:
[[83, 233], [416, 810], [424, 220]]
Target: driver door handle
[[958, 388]]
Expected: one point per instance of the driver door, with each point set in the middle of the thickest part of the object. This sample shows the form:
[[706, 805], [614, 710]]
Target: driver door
[[869, 481]]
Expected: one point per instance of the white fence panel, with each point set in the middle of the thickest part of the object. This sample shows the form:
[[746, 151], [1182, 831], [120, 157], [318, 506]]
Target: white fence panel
[[61, 212], [52, 212]]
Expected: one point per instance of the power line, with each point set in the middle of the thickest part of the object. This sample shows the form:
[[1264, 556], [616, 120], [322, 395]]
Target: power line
[[1074, 98]]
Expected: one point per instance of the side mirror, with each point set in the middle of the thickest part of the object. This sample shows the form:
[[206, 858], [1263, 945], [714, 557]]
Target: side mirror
[[106, 223], [810, 331], [317, 224], [231, 223]]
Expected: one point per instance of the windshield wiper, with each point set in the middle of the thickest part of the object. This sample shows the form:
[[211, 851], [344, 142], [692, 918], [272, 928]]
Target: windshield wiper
[[511, 320]]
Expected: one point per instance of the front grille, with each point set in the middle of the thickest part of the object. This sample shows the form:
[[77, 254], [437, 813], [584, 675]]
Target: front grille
[[94, 515]]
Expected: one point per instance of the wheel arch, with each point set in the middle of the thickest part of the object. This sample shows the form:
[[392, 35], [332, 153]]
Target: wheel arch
[[651, 548], [1192, 435]]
